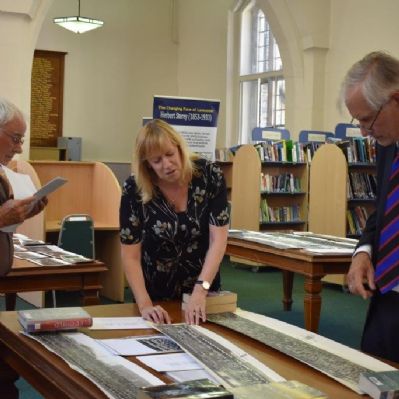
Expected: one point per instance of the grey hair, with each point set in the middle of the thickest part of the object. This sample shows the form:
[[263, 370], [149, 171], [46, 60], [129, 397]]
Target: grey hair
[[8, 111], [378, 76]]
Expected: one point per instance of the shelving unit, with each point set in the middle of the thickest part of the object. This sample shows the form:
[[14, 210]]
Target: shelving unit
[[246, 192], [227, 169], [327, 191], [361, 186], [328, 195], [367, 203], [281, 200]]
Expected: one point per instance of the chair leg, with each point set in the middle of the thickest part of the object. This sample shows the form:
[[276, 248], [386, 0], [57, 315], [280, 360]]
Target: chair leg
[[54, 299]]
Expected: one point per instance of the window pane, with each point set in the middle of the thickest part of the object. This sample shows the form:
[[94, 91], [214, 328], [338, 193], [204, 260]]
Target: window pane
[[279, 106], [264, 104], [249, 110], [262, 100]]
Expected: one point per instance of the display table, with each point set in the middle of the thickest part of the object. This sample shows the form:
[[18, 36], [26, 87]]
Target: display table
[[313, 267], [26, 276], [53, 378]]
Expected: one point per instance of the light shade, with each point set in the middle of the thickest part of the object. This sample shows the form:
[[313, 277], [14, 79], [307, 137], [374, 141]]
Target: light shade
[[78, 24]]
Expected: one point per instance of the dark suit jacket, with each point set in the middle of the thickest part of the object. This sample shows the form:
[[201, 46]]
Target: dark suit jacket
[[6, 245], [371, 233]]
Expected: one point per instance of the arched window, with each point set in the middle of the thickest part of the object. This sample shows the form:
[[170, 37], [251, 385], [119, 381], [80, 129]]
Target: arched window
[[262, 84]]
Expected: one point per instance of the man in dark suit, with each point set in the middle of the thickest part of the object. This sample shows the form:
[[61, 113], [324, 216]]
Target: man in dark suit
[[12, 131], [371, 93]]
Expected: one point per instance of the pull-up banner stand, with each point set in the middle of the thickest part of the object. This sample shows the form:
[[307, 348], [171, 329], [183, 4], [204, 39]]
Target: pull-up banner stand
[[194, 118]]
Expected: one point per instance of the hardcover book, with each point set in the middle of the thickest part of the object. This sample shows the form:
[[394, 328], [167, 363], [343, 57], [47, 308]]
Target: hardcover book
[[216, 297], [380, 385], [195, 389], [212, 309], [217, 302], [54, 319]]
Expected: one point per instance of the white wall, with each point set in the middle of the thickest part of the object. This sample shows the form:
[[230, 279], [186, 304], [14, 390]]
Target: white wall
[[112, 73], [202, 53], [320, 40], [357, 28], [20, 22]]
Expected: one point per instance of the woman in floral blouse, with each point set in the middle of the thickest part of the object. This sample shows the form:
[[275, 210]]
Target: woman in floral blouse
[[174, 224]]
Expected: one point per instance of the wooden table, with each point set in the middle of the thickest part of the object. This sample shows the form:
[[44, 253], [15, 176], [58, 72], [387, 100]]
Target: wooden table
[[52, 377], [26, 276], [290, 261]]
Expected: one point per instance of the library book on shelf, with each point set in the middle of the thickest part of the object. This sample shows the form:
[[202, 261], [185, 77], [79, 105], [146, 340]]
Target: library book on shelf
[[54, 319]]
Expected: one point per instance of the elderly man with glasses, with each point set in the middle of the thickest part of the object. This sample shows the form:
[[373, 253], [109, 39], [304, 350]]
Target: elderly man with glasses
[[12, 131], [371, 93]]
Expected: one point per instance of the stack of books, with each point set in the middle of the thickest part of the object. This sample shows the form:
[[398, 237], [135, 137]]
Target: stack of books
[[54, 319], [217, 302]]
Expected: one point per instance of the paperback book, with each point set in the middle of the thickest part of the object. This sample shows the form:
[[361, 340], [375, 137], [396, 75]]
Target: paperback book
[[380, 385], [195, 389], [54, 319]]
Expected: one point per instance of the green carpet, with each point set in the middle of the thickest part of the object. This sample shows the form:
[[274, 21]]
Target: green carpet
[[342, 314]]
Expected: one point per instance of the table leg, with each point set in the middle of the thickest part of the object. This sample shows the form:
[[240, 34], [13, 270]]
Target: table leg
[[288, 281], [11, 301], [90, 297], [312, 303], [8, 377]]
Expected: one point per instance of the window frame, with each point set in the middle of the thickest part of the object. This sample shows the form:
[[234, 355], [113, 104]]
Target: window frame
[[260, 78]]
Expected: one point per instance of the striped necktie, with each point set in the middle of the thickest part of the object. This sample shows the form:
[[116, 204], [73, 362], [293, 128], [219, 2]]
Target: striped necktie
[[387, 269], [7, 186]]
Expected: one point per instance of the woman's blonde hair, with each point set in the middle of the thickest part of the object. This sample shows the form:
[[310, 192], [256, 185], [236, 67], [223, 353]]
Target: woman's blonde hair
[[153, 138]]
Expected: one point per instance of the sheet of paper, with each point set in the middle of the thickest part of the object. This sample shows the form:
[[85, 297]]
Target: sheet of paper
[[22, 185], [85, 355], [119, 323], [51, 186], [189, 375], [47, 261], [134, 346], [29, 255], [170, 362]]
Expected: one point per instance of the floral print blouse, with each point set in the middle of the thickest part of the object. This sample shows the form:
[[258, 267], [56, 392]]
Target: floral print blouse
[[174, 245]]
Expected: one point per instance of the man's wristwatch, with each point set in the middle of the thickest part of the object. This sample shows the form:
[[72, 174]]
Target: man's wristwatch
[[204, 284]]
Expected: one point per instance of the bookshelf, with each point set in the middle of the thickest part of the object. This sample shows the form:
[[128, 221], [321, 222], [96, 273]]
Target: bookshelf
[[247, 194], [328, 196], [361, 181], [341, 191], [327, 191], [227, 169]]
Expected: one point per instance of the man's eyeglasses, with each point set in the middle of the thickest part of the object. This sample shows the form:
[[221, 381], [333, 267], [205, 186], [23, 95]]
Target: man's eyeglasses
[[369, 129], [14, 138]]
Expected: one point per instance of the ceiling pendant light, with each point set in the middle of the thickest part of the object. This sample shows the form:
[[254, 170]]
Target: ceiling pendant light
[[78, 24]]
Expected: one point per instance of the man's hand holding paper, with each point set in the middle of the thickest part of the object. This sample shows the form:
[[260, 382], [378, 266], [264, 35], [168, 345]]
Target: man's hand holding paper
[[26, 202], [14, 212]]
